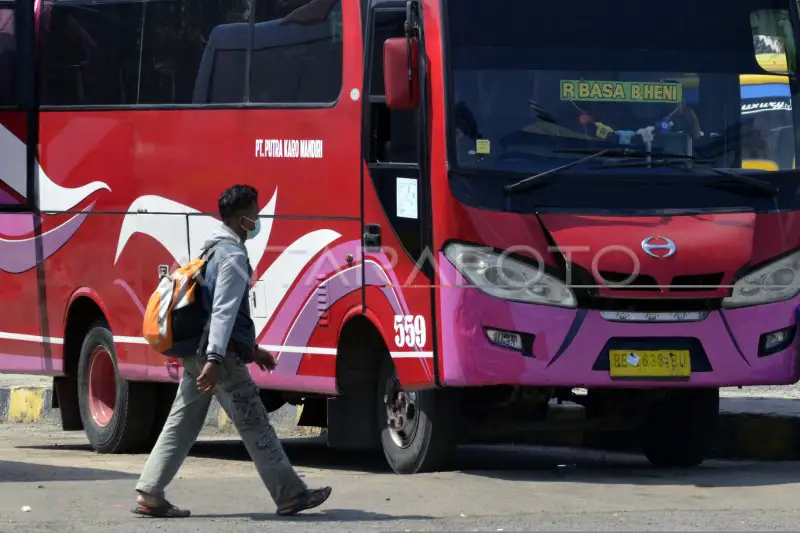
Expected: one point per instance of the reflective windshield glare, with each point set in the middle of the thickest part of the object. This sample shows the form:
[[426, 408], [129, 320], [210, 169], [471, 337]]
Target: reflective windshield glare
[[707, 79]]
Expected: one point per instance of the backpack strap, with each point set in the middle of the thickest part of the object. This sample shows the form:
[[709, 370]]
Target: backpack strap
[[203, 341], [207, 255], [209, 252]]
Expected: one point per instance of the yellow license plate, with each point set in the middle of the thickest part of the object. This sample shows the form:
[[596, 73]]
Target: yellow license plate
[[650, 363]]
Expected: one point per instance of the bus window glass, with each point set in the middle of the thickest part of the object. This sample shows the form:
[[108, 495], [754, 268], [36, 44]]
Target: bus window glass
[[773, 39], [226, 77], [768, 139], [194, 51], [532, 79], [89, 53], [8, 57], [388, 24], [394, 131], [297, 51]]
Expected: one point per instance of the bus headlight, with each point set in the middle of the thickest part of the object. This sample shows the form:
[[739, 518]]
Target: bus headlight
[[776, 282], [503, 277]]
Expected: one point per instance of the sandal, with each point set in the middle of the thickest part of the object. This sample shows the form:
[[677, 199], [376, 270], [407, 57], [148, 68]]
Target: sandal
[[162, 510], [308, 500]]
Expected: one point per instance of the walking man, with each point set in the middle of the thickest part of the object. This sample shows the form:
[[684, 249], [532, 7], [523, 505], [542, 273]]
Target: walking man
[[219, 368]]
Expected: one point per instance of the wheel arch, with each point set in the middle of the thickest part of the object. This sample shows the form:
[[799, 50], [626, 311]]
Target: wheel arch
[[83, 309], [359, 348]]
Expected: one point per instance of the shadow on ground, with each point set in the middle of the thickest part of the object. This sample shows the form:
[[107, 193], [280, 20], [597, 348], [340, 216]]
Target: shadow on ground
[[513, 463], [326, 515], [17, 472]]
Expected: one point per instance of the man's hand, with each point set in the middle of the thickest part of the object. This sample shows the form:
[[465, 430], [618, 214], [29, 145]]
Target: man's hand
[[265, 360], [207, 380]]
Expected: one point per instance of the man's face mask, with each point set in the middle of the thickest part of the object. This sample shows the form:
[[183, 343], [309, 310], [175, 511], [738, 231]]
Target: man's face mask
[[251, 233]]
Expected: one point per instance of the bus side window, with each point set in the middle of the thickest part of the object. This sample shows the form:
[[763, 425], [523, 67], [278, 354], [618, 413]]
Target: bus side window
[[8, 57], [194, 52], [89, 53], [297, 52], [394, 133]]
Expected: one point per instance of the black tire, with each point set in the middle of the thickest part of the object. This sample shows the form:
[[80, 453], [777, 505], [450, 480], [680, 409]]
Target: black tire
[[123, 425], [433, 443], [679, 432]]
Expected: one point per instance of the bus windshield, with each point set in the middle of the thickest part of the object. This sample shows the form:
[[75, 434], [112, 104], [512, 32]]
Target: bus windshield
[[535, 85]]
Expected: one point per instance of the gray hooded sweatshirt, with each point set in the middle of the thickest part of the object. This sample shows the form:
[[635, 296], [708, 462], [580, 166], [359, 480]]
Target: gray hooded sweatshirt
[[227, 282]]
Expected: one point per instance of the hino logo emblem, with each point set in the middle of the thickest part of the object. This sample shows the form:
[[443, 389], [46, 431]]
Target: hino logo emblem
[[659, 247]]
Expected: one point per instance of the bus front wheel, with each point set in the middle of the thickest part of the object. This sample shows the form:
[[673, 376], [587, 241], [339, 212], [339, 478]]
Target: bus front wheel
[[679, 430], [417, 428]]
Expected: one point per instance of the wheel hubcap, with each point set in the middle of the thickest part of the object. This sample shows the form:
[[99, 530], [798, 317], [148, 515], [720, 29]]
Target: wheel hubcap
[[401, 413], [102, 387]]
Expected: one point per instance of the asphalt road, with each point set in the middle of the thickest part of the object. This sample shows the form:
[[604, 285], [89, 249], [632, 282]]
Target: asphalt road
[[69, 488]]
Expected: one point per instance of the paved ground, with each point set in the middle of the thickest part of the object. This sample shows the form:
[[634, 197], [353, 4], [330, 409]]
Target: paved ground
[[776, 392], [71, 489], [23, 380], [779, 400]]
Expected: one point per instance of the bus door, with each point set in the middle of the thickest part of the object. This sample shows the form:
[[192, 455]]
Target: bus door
[[396, 221]]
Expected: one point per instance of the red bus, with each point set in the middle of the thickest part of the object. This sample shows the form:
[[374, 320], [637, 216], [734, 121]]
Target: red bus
[[470, 209]]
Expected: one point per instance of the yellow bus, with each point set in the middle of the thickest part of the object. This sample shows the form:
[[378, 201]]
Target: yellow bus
[[767, 100], [768, 96]]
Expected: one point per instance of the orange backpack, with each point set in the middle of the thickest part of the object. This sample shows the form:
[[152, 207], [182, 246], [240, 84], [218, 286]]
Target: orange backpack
[[175, 316]]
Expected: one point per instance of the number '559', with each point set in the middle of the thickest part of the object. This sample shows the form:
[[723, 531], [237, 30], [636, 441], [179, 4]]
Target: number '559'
[[409, 331]]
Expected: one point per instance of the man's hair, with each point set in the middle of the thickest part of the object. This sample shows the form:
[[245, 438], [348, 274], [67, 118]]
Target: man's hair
[[236, 199]]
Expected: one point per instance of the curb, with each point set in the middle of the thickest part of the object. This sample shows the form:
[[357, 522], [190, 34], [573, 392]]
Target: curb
[[33, 405], [28, 405], [758, 436]]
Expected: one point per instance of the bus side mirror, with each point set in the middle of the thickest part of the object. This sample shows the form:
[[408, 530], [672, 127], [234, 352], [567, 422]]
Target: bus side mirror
[[401, 73]]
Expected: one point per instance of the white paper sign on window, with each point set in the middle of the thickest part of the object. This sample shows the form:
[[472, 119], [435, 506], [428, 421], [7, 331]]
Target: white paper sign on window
[[407, 198]]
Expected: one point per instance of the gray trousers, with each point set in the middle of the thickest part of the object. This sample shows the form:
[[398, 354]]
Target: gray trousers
[[238, 395]]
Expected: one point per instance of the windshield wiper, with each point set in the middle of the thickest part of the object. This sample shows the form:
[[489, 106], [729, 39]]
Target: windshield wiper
[[626, 152], [754, 184], [666, 160], [537, 178]]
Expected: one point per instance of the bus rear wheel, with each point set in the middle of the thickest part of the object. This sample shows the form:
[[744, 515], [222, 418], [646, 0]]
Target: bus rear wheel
[[117, 414], [417, 431], [679, 431]]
